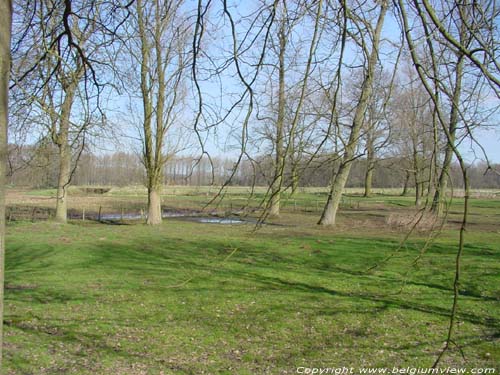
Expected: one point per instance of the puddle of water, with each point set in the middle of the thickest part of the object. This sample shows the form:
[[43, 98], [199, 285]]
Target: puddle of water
[[119, 216], [193, 216], [137, 216], [218, 220], [179, 214]]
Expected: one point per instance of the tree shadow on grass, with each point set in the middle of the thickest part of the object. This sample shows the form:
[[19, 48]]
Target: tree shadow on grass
[[75, 343], [29, 258], [199, 260], [388, 302], [208, 255], [207, 271], [158, 256]]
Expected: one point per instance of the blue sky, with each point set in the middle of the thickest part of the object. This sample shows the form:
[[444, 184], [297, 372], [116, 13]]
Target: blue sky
[[489, 140]]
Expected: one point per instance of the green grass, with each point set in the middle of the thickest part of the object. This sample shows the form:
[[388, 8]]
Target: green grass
[[189, 298]]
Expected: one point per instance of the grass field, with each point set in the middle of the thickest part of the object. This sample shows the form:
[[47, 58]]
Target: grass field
[[191, 298]]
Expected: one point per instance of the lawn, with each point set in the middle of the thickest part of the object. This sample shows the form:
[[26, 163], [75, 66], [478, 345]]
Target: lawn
[[191, 298]]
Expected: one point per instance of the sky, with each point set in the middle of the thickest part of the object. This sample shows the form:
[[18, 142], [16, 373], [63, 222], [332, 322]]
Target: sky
[[489, 140]]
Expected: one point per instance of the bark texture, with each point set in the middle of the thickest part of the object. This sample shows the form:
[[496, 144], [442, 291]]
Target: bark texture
[[154, 206], [5, 31], [370, 165], [61, 139]]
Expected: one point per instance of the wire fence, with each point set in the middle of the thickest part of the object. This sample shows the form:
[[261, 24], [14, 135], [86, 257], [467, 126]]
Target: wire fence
[[132, 211]]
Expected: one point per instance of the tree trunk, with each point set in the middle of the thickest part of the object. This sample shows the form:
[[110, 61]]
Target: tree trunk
[[295, 178], [416, 169], [368, 180], [329, 214], [279, 167], [370, 154], [154, 206], [370, 166], [418, 186], [153, 85], [5, 27], [440, 193], [62, 141], [439, 198], [423, 189], [274, 210], [406, 183], [63, 183]]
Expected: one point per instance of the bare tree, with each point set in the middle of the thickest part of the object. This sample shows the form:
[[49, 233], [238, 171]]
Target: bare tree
[[61, 69], [455, 66], [279, 164], [158, 47], [478, 18], [412, 138], [376, 127], [293, 69], [339, 178], [5, 29]]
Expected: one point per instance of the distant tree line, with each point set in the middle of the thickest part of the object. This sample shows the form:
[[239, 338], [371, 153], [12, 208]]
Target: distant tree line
[[38, 168]]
